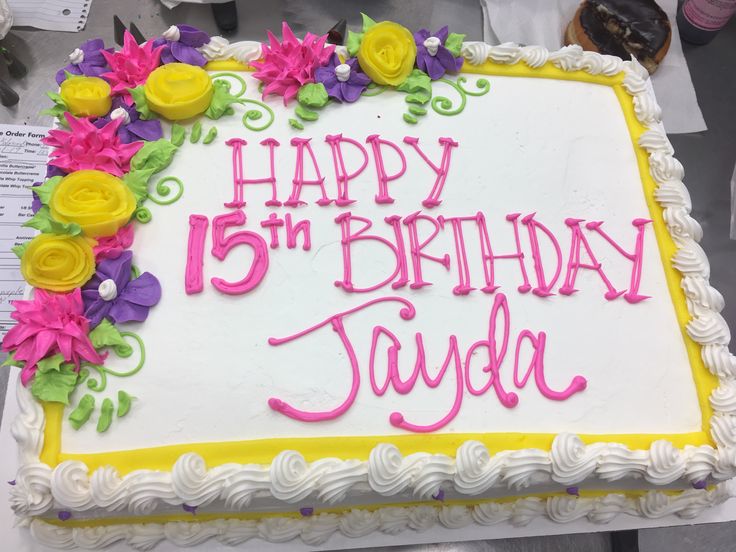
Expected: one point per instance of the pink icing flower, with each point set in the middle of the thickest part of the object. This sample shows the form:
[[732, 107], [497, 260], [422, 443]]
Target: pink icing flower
[[110, 247], [50, 323], [289, 64], [87, 147], [131, 65]]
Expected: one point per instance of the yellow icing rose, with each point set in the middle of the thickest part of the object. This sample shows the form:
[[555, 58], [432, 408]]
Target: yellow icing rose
[[58, 263], [98, 202], [86, 96], [387, 53], [178, 91]]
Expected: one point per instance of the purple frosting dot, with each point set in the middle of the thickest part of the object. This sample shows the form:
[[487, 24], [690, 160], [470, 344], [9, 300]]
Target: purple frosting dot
[[306, 512], [573, 491], [64, 515], [702, 484], [440, 495], [11, 482], [191, 509]]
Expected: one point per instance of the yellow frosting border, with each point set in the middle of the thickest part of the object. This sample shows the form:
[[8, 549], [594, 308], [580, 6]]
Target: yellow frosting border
[[263, 451]]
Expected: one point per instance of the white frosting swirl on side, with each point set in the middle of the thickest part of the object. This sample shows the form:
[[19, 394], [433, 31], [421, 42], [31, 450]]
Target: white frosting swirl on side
[[527, 509], [70, 485], [233, 532], [701, 297], [186, 534], [108, 490], [673, 193], [320, 528], [655, 140], [534, 56], [389, 472], [393, 520], [664, 167], [690, 259], [567, 58], [699, 462], [95, 538], [422, 518], [276, 529], [455, 517], [572, 461], [564, 509], [526, 467], [506, 53], [220, 48], [31, 494], [709, 329], [490, 513], [359, 523], [719, 360], [476, 470], [606, 508], [618, 461], [647, 109], [475, 52], [723, 398], [666, 463], [148, 489], [723, 430], [292, 479], [193, 483]]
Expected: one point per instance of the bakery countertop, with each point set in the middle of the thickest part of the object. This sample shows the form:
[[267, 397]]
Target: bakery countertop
[[708, 158]]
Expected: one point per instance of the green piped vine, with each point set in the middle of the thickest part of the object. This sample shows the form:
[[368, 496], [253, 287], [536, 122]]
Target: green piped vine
[[163, 190], [223, 99], [106, 335], [445, 106]]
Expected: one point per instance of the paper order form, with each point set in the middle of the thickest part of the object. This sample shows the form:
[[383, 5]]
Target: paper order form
[[22, 162]]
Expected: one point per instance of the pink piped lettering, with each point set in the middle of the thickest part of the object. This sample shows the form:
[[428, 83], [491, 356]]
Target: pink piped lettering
[[349, 236], [383, 177], [463, 270], [544, 287], [341, 173], [489, 258], [574, 263], [193, 273], [293, 230], [416, 247], [441, 171], [637, 257], [222, 244], [273, 222], [239, 181], [302, 145]]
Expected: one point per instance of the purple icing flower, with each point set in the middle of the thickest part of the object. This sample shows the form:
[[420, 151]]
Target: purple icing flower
[[190, 509], [701, 484], [440, 496], [64, 515], [53, 170], [113, 294], [133, 128], [11, 483], [432, 56], [85, 60], [181, 43], [36, 203], [575, 491], [343, 81], [306, 511]]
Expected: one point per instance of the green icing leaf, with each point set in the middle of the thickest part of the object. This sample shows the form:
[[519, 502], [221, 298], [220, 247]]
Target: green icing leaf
[[43, 222], [418, 85], [10, 361], [367, 22], [52, 363], [106, 411], [196, 132], [313, 95], [454, 43], [155, 156], [141, 104], [124, 401], [221, 100], [294, 123], [107, 335], [54, 382], [81, 414], [306, 114], [137, 181], [57, 99], [45, 190], [177, 134], [20, 249], [353, 43], [417, 110], [210, 136]]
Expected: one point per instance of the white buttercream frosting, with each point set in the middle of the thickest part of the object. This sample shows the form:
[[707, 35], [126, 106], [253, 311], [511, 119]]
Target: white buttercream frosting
[[172, 34], [76, 57], [220, 48]]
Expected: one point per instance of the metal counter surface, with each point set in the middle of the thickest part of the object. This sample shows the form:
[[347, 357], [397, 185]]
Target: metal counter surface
[[708, 158]]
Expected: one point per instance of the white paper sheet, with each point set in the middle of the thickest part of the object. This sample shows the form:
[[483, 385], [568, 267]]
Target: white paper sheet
[[51, 15], [543, 22], [22, 162]]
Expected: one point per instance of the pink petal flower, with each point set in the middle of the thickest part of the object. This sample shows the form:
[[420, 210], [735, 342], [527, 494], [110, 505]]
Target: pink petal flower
[[110, 247], [130, 66], [50, 323], [85, 146], [289, 64]]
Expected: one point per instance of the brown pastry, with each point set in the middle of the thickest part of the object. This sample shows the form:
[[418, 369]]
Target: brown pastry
[[622, 28]]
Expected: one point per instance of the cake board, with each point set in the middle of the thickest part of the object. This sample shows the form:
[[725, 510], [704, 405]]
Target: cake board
[[19, 539]]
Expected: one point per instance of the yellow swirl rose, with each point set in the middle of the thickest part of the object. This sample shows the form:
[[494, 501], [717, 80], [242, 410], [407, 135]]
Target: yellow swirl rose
[[98, 202], [86, 96], [178, 91], [57, 263], [387, 53]]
